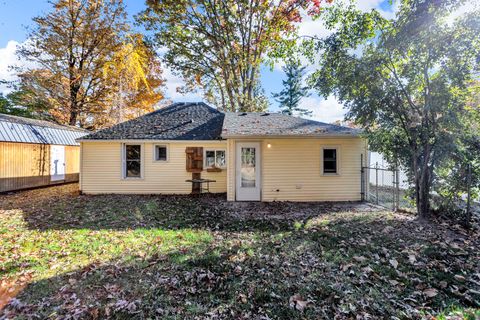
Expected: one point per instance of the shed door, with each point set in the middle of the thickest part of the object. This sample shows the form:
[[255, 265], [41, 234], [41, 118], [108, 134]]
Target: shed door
[[57, 163], [248, 171]]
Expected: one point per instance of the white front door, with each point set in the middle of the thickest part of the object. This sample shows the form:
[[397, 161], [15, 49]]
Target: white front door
[[57, 163], [248, 171]]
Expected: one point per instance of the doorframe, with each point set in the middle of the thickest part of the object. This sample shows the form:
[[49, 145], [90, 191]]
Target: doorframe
[[259, 145], [64, 164]]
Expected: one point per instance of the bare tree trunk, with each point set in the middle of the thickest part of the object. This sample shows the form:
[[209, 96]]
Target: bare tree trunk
[[422, 182], [73, 105], [423, 208]]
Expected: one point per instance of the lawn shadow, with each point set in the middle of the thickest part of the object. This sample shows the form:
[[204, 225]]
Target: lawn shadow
[[327, 268], [63, 208]]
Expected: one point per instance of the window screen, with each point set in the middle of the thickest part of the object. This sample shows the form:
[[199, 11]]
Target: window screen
[[329, 160]]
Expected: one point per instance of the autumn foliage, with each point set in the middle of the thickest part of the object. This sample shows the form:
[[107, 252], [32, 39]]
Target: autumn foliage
[[71, 51], [219, 46]]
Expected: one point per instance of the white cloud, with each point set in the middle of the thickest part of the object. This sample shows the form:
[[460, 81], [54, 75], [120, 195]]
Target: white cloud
[[8, 59], [172, 83], [468, 6], [367, 5], [324, 110], [310, 27], [316, 28]]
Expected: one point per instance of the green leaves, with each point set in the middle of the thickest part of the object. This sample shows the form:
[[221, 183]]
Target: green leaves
[[403, 81], [219, 46]]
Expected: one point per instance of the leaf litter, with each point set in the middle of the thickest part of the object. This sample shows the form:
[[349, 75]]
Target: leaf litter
[[76, 256]]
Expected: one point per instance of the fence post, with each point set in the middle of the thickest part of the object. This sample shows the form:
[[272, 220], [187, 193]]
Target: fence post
[[376, 182], [393, 190], [362, 179], [469, 182], [397, 173]]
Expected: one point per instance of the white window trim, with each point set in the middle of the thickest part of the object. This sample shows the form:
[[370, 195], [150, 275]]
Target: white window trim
[[155, 152], [328, 174], [124, 161], [213, 149]]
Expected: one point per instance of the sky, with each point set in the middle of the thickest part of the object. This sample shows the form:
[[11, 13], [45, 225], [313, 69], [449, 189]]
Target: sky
[[16, 17]]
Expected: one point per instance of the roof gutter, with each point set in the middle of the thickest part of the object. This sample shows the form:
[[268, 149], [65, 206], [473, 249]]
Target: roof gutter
[[308, 136], [149, 141]]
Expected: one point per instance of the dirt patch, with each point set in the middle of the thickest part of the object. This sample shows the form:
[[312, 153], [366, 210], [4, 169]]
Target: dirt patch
[[10, 288]]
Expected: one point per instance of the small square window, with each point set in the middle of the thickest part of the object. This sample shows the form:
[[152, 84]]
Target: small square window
[[161, 153], [330, 161]]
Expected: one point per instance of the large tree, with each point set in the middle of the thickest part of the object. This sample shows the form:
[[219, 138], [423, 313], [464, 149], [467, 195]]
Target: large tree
[[134, 72], [405, 81], [68, 48], [293, 91], [219, 45]]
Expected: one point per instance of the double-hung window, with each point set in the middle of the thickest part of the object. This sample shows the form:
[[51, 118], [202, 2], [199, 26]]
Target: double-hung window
[[330, 161], [132, 161], [215, 159]]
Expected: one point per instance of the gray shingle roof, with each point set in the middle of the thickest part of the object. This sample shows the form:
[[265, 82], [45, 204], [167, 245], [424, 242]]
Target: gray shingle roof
[[249, 124], [179, 121], [19, 129]]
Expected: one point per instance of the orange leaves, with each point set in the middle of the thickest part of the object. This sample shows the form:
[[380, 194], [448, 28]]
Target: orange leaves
[[198, 79], [134, 74]]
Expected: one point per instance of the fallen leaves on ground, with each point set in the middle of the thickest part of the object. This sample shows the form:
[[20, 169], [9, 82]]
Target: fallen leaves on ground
[[119, 256]]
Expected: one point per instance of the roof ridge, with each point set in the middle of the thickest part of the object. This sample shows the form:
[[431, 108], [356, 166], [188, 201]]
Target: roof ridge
[[291, 116]]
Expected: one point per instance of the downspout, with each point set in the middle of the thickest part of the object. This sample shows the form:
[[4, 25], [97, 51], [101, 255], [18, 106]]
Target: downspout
[[80, 172]]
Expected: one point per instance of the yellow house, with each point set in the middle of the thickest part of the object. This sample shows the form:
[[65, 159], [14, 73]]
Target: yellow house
[[189, 147]]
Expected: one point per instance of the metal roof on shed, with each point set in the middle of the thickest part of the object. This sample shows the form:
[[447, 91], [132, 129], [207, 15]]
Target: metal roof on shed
[[18, 129]]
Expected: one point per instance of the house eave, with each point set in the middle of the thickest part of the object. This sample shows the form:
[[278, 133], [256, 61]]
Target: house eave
[[149, 141], [303, 136]]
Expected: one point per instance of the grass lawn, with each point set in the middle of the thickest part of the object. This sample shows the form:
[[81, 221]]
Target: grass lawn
[[65, 255]]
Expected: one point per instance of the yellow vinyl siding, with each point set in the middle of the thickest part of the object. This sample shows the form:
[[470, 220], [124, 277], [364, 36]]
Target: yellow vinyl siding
[[231, 169], [293, 167], [101, 170]]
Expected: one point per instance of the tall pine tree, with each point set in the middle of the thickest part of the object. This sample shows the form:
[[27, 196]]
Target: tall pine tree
[[293, 91]]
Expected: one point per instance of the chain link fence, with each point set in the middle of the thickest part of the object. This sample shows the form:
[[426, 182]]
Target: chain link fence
[[379, 186], [385, 185], [388, 186]]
